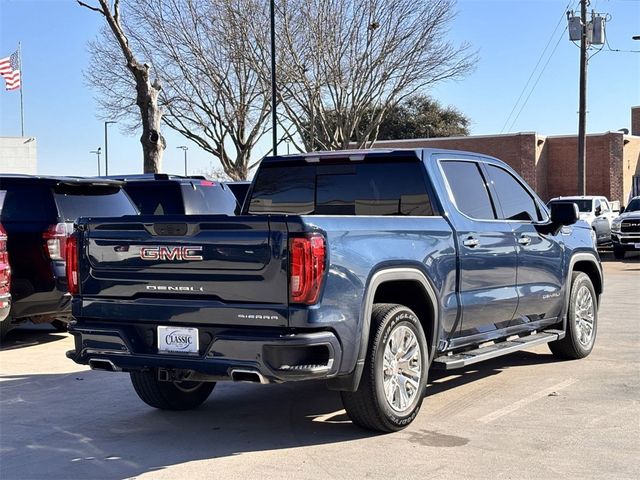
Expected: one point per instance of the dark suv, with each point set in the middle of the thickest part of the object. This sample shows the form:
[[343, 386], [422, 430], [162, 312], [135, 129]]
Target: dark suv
[[163, 194], [37, 215]]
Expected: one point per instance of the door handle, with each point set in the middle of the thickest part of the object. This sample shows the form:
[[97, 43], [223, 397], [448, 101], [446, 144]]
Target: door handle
[[471, 242], [524, 240]]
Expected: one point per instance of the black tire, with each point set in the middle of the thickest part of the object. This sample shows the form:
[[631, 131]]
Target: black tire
[[184, 395], [5, 326], [619, 253], [59, 325], [575, 344], [368, 407]]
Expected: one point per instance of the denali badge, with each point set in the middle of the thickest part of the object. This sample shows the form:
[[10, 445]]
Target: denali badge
[[170, 253], [170, 288]]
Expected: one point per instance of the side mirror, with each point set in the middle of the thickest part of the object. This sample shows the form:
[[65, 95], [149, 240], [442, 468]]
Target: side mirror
[[621, 210], [564, 213], [598, 211]]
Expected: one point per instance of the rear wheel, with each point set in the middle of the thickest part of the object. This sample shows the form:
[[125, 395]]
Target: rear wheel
[[59, 325], [582, 320], [184, 395], [395, 373], [5, 326]]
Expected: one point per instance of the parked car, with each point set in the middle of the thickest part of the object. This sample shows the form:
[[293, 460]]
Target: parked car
[[37, 215], [363, 269], [162, 194], [597, 212], [5, 276], [625, 229], [240, 190]]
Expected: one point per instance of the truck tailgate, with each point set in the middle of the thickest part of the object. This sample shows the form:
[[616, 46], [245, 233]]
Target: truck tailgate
[[200, 264]]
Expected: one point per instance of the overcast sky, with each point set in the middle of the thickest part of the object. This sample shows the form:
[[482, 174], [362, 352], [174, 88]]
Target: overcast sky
[[509, 35]]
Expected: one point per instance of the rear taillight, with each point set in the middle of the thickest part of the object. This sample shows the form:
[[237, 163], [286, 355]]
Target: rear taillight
[[55, 237], [306, 268], [71, 267], [5, 269]]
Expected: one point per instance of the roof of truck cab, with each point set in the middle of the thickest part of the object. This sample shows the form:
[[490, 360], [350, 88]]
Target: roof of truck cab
[[55, 180], [313, 157], [136, 177]]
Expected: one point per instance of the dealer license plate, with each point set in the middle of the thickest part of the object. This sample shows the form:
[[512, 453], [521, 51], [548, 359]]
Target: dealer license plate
[[177, 339], [637, 246]]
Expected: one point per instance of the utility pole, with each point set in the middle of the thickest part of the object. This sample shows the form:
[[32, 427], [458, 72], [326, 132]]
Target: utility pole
[[106, 147], [582, 114]]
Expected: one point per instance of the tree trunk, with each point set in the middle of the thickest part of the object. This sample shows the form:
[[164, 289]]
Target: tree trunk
[[153, 143]]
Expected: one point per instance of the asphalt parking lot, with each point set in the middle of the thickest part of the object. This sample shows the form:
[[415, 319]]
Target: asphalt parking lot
[[521, 416]]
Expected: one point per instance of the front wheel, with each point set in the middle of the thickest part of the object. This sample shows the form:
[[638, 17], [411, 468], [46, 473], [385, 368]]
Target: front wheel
[[395, 373], [619, 253], [582, 320], [184, 395]]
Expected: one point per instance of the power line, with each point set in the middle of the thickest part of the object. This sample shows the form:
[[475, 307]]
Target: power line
[[515, 105], [538, 79]]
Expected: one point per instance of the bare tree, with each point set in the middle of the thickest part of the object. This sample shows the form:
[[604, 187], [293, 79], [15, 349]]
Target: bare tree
[[339, 60], [146, 91], [203, 52]]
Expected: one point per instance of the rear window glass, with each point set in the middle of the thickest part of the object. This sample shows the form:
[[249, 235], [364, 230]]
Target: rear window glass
[[156, 198], [205, 197], [28, 203], [387, 188], [92, 201]]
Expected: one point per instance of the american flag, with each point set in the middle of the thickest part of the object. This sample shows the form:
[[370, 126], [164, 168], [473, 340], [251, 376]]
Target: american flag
[[10, 71]]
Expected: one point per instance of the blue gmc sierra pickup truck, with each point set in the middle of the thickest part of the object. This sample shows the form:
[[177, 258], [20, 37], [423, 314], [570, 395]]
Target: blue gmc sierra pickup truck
[[364, 269]]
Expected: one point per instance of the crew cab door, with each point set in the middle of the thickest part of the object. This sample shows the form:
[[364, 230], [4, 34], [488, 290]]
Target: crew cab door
[[540, 269], [487, 252]]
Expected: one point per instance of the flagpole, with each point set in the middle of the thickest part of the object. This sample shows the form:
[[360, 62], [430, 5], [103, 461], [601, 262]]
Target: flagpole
[[21, 88]]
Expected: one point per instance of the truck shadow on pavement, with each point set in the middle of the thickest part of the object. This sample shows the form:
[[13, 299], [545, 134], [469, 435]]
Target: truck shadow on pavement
[[443, 380], [21, 338], [90, 424]]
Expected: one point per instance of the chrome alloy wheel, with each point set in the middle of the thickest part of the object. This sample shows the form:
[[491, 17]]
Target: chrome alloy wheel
[[402, 368], [584, 315]]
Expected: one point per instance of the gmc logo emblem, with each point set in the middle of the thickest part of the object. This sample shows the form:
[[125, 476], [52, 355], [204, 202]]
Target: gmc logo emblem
[[170, 253]]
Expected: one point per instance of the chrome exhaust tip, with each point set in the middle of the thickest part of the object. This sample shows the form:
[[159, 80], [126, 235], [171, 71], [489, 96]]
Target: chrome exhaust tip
[[103, 364], [251, 376]]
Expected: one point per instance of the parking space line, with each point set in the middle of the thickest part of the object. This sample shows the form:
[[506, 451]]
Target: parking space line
[[525, 401]]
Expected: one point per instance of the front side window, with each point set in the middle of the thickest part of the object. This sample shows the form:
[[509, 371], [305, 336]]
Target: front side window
[[515, 201], [469, 189]]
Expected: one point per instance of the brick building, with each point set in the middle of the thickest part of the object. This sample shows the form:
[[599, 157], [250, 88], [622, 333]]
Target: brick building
[[550, 163]]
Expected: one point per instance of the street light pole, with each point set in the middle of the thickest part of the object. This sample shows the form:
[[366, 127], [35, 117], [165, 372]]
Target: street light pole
[[97, 152], [184, 148], [106, 147], [273, 79]]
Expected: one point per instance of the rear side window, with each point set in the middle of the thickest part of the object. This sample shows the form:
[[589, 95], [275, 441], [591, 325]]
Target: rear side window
[[28, 203], [469, 189], [76, 201], [156, 198], [205, 197], [515, 201], [384, 188]]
